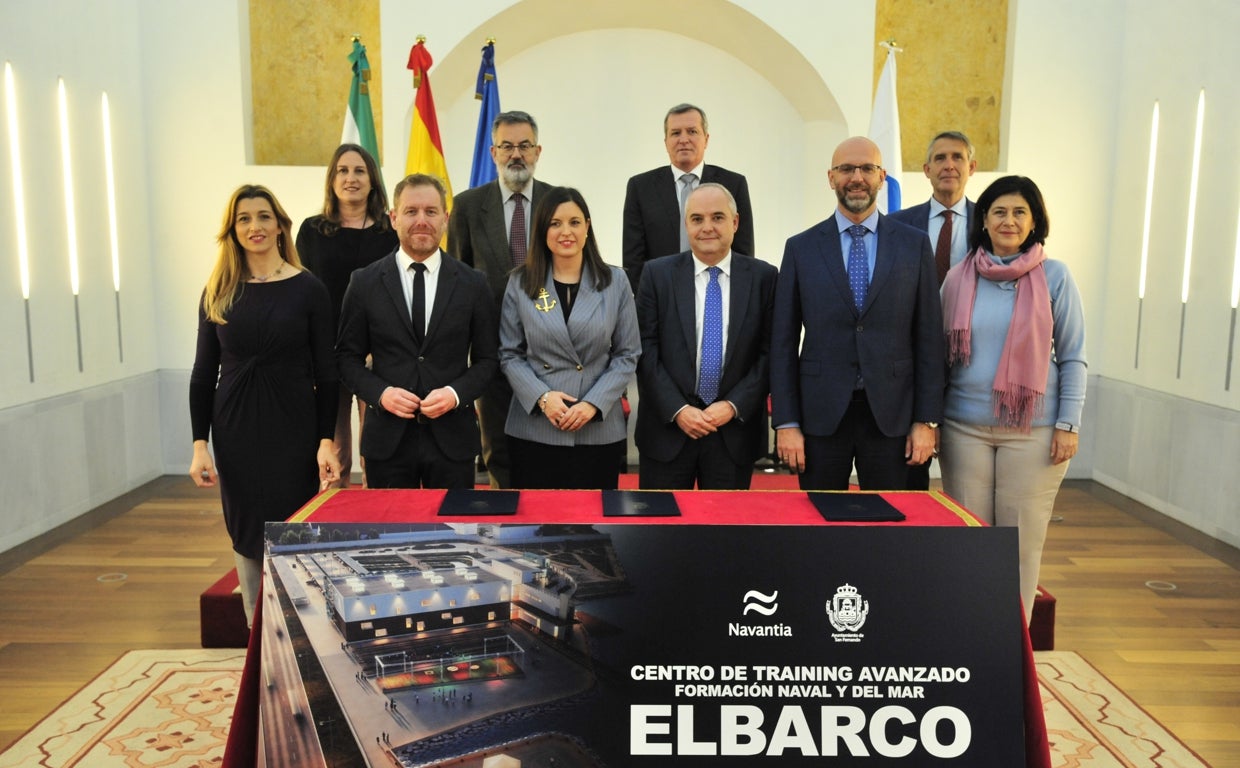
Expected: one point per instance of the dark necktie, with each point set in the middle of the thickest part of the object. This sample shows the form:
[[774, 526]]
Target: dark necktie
[[516, 233], [858, 265], [943, 248], [687, 181], [418, 303], [712, 340]]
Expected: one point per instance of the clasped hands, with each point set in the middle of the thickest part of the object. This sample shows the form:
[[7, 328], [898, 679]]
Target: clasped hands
[[700, 422], [405, 405], [566, 413]]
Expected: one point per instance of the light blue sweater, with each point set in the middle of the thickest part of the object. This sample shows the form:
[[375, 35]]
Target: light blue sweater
[[969, 387]]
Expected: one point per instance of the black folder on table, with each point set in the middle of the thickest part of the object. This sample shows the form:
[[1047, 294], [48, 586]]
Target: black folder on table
[[836, 507], [639, 504], [469, 502]]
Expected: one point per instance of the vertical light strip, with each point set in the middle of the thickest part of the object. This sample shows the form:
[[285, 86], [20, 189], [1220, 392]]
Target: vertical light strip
[[1235, 302], [19, 202], [1192, 196], [1192, 220], [1145, 232], [1149, 202], [110, 175], [70, 210]]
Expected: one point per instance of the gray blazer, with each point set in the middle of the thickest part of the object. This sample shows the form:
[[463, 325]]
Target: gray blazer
[[592, 357]]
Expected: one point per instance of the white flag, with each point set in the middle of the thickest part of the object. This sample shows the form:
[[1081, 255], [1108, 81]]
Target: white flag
[[885, 131]]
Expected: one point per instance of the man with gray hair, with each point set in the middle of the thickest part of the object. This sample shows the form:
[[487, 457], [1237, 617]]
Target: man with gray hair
[[489, 230], [654, 203], [945, 216], [945, 220]]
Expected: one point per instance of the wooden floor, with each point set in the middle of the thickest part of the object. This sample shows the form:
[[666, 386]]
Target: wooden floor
[[128, 576]]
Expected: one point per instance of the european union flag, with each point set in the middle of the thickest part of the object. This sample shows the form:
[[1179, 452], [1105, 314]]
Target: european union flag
[[486, 91]]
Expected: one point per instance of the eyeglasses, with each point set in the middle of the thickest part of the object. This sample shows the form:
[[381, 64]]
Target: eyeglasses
[[509, 148], [869, 169]]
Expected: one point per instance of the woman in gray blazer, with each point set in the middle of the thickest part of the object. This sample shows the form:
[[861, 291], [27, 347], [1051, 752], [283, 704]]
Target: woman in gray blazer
[[569, 345]]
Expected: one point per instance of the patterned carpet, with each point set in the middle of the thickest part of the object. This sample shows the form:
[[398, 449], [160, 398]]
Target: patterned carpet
[[171, 709], [1092, 724]]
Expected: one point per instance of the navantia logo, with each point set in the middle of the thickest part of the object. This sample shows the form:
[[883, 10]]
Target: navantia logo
[[761, 603]]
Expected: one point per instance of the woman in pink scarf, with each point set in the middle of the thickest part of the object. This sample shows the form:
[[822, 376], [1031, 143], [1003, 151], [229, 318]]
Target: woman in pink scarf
[[1016, 383]]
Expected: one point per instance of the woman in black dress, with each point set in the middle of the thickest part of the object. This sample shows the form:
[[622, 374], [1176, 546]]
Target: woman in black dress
[[264, 379], [353, 231]]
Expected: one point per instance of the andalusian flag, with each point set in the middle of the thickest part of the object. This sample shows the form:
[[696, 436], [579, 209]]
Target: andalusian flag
[[425, 146], [359, 120], [885, 130], [486, 91]]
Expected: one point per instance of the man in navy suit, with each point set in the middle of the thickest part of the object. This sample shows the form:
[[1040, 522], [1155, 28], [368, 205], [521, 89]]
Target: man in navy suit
[[865, 385], [683, 437], [945, 220], [428, 324], [480, 234], [654, 200], [949, 164]]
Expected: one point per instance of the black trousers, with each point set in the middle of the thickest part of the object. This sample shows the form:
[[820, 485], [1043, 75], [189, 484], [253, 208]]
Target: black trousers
[[418, 463], [880, 459], [704, 461], [492, 410], [538, 465]]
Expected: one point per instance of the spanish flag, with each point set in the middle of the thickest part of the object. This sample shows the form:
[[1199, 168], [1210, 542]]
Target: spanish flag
[[425, 146]]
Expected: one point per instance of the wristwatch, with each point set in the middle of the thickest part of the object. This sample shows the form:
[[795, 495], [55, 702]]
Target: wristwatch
[[1066, 427], [931, 424]]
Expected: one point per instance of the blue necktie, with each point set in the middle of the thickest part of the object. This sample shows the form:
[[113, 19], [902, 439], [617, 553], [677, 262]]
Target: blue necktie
[[712, 340], [858, 265]]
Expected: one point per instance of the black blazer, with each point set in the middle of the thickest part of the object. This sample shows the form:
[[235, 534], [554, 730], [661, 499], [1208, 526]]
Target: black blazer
[[652, 216], [667, 370], [460, 350], [895, 341], [477, 234]]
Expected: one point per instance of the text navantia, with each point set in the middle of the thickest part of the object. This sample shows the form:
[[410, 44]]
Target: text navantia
[[765, 630]]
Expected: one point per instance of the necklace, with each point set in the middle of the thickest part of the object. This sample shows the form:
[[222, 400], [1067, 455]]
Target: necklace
[[265, 278]]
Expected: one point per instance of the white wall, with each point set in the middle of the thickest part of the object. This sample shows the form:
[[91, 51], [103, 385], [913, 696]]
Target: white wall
[[781, 88], [74, 438]]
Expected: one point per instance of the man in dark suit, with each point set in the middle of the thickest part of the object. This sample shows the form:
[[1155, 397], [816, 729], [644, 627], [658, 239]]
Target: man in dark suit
[[654, 201], [866, 383], [429, 326], [949, 164], [700, 420], [945, 220], [490, 231]]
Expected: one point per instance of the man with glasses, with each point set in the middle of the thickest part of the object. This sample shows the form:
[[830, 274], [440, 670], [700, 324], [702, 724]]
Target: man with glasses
[[866, 383], [945, 220], [654, 203], [489, 230]]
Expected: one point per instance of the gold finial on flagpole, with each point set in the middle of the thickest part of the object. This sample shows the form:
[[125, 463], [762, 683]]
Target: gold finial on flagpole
[[890, 44], [357, 38], [420, 38], [490, 41]]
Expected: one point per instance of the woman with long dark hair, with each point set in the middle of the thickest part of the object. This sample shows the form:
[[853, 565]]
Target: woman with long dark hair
[[263, 386], [353, 231], [569, 346]]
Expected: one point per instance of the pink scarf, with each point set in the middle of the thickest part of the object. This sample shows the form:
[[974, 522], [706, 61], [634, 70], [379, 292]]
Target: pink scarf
[[1020, 381]]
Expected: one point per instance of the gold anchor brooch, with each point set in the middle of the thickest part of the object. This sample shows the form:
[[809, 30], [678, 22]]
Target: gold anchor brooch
[[541, 304]]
